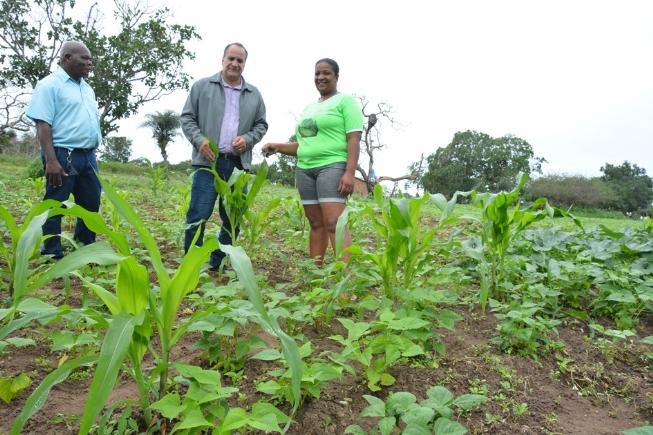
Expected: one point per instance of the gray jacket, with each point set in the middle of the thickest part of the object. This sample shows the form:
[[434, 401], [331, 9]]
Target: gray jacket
[[203, 112]]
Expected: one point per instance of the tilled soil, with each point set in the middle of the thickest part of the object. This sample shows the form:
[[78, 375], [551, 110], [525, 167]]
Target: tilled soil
[[600, 389]]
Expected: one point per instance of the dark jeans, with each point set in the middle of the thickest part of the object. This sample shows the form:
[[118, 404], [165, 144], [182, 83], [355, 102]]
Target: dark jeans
[[202, 202], [85, 187]]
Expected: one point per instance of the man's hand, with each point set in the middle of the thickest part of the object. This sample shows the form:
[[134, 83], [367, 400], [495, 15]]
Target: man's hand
[[54, 172], [206, 151], [239, 144]]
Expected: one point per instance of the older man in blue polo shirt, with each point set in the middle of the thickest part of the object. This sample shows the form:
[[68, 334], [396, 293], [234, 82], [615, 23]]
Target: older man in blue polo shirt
[[64, 108], [231, 112]]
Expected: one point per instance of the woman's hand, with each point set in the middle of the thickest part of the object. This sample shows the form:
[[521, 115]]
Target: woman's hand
[[346, 185], [269, 149]]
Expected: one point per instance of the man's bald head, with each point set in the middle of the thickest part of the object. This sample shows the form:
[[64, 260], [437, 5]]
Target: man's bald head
[[75, 59]]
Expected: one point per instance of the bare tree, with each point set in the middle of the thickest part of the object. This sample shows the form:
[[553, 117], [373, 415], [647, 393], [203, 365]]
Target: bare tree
[[371, 140], [12, 111]]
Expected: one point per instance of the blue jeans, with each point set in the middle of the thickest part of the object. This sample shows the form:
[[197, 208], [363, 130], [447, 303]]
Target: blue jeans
[[202, 202], [85, 187]]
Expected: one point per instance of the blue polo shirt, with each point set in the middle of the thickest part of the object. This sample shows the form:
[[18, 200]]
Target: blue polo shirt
[[69, 107]]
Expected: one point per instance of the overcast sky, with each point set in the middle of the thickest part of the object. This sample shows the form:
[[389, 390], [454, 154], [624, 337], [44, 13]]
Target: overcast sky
[[573, 78]]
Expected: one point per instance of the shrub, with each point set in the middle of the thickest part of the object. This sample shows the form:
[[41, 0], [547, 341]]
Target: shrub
[[565, 190], [35, 169]]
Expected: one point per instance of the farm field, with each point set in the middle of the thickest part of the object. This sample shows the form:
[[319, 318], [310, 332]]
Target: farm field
[[446, 321]]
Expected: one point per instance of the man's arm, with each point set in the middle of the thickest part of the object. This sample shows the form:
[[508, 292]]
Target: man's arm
[[53, 170], [189, 121]]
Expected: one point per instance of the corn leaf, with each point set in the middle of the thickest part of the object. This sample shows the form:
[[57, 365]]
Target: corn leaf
[[28, 242], [113, 352], [96, 253], [36, 400], [132, 286], [185, 279], [129, 215], [243, 267]]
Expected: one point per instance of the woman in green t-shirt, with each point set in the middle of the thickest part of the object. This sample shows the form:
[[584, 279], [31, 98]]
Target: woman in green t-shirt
[[327, 148]]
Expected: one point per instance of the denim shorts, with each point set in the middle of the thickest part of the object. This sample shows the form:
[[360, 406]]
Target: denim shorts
[[320, 184]]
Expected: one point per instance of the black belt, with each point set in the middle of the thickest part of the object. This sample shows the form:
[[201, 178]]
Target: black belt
[[228, 156], [82, 150]]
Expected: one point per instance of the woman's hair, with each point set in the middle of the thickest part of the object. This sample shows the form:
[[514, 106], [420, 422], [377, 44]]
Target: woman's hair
[[333, 63]]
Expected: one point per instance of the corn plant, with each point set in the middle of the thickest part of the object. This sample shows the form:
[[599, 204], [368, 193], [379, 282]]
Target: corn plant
[[130, 328], [259, 222], [236, 203], [26, 239], [405, 245], [501, 222]]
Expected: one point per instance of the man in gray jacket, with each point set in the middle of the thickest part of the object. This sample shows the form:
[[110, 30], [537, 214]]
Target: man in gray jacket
[[231, 112]]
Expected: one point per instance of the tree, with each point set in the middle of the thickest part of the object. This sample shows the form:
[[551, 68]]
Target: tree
[[283, 170], [141, 63], [478, 161], [165, 126], [371, 142], [116, 149], [632, 187]]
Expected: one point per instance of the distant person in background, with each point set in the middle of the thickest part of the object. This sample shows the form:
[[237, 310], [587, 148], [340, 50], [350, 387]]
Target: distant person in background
[[64, 108], [328, 145], [230, 111]]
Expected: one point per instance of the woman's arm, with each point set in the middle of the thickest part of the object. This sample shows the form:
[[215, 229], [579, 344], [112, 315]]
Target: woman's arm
[[346, 185], [289, 149]]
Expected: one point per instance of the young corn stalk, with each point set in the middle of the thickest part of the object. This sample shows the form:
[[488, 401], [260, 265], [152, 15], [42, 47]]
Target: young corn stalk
[[502, 219], [405, 246], [138, 312]]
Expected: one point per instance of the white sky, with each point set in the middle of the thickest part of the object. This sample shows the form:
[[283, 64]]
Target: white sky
[[573, 78]]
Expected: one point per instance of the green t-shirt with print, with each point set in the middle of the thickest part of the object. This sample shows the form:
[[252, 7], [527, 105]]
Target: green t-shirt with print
[[322, 131]]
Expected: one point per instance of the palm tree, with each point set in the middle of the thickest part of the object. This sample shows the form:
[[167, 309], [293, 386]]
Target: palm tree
[[165, 126]]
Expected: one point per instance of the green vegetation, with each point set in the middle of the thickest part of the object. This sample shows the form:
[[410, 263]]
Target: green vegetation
[[418, 266]]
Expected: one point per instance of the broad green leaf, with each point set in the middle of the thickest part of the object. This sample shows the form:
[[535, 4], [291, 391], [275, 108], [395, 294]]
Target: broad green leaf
[[266, 422], [194, 419], [260, 409], [399, 403], [468, 401], [21, 342], [169, 406], [11, 387], [376, 408], [444, 426], [441, 395], [386, 425], [354, 429], [267, 355], [235, 419], [210, 377], [644, 430]]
